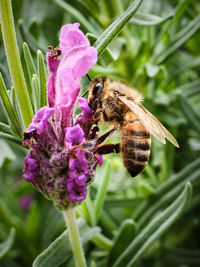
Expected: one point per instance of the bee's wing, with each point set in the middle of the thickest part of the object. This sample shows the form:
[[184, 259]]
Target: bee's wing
[[153, 125]]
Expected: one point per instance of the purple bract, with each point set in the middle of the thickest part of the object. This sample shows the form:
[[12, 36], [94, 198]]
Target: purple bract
[[55, 165]]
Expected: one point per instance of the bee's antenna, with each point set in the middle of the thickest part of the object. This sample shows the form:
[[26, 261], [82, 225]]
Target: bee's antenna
[[88, 77], [85, 93]]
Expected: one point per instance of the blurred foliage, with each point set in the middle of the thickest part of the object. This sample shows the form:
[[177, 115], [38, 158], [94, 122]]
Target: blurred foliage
[[145, 220]]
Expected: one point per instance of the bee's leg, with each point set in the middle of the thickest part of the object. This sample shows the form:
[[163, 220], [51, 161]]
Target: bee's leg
[[106, 135], [109, 148], [94, 143]]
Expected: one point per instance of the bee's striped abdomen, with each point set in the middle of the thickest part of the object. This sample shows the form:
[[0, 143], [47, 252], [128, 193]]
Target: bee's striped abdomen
[[135, 145]]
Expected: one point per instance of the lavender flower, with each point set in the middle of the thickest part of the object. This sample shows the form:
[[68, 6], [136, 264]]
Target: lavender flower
[[54, 165]]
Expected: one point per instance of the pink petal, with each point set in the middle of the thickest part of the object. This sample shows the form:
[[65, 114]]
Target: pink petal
[[72, 67], [71, 37], [53, 64]]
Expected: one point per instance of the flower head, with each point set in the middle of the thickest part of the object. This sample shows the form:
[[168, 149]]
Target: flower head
[[55, 165]]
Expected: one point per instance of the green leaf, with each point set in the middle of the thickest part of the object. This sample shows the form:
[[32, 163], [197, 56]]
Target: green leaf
[[76, 14], [9, 108], [30, 67], [14, 63], [149, 19], [5, 153], [101, 194], [125, 235], [113, 30], [88, 206], [7, 244], [28, 38], [107, 56], [36, 93], [169, 190], [60, 249], [179, 39], [107, 221], [155, 229], [11, 138], [190, 113], [4, 128], [42, 79], [189, 89]]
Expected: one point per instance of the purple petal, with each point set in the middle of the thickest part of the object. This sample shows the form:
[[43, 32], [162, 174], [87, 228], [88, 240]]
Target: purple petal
[[76, 193], [73, 66], [30, 168], [53, 64], [71, 37], [100, 159], [40, 120], [73, 136], [83, 105], [77, 58], [79, 165]]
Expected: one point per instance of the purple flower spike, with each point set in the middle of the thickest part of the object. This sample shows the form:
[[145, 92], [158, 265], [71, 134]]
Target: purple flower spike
[[55, 165], [40, 120]]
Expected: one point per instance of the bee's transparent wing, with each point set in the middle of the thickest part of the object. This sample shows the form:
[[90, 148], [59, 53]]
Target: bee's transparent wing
[[153, 125]]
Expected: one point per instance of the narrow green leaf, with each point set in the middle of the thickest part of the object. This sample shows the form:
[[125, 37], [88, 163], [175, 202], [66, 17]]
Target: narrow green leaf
[[107, 56], [90, 209], [36, 93], [101, 194], [9, 108], [42, 79], [154, 230], [168, 190], [106, 220], [30, 67], [4, 128], [188, 89], [179, 39], [113, 30], [7, 244], [28, 38], [15, 104], [29, 60], [60, 249], [166, 198], [102, 242], [149, 19], [14, 63], [76, 14], [11, 138], [190, 113], [125, 236], [6, 153]]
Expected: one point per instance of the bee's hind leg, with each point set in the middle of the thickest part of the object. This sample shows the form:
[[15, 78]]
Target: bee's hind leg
[[108, 148], [106, 135]]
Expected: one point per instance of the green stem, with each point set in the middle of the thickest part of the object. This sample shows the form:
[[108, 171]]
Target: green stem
[[102, 242], [10, 43], [77, 249]]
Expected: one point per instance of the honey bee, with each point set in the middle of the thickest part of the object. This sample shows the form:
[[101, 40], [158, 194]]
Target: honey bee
[[119, 105]]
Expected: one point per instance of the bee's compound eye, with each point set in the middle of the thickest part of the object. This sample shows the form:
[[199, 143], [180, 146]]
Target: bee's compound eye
[[97, 87]]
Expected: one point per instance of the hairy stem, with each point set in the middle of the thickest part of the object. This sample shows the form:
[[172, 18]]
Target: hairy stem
[[74, 237]]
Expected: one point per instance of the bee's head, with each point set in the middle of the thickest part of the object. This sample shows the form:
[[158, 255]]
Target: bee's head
[[97, 87]]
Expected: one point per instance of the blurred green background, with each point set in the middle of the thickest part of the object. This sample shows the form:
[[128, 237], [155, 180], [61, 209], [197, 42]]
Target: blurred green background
[[157, 52]]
